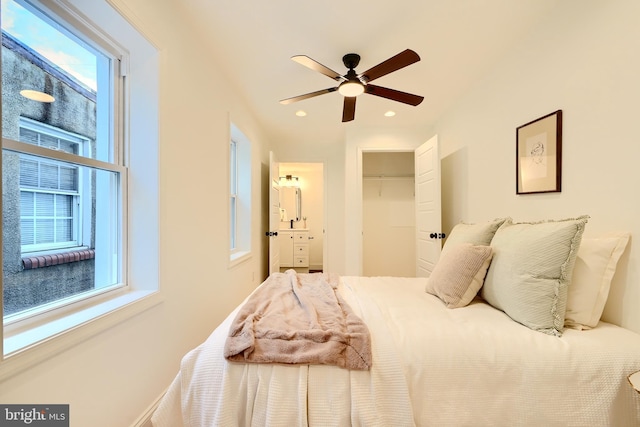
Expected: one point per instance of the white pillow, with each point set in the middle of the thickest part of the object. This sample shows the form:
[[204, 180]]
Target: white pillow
[[531, 270], [594, 269], [459, 274]]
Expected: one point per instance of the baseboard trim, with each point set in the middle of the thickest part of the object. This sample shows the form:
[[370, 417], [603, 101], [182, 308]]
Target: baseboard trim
[[144, 420]]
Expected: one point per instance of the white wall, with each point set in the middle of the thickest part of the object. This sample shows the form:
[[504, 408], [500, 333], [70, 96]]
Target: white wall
[[584, 60], [111, 378]]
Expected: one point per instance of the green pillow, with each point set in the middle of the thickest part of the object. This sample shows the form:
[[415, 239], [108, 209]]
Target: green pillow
[[476, 234], [531, 271]]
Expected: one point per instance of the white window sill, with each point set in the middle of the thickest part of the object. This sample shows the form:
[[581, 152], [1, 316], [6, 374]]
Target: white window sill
[[38, 343], [239, 257]]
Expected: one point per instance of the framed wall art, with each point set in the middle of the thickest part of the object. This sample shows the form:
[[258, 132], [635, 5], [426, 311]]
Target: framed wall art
[[539, 155]]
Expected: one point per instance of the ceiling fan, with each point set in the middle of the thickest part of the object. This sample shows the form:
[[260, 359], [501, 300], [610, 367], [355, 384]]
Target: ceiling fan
[[353, 84]]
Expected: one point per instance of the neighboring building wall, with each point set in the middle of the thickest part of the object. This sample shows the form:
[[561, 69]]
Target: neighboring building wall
[[25, 69]]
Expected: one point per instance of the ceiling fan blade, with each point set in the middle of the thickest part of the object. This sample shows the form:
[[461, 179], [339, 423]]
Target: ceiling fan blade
[[307, 95], [316, 66], [349, 110], [394, 95], [392, 64]]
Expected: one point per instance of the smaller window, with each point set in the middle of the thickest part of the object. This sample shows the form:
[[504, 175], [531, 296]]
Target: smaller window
[[240, 195], [50, 191]]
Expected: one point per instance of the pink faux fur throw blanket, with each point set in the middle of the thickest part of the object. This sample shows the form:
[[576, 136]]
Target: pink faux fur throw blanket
[[299, 319]]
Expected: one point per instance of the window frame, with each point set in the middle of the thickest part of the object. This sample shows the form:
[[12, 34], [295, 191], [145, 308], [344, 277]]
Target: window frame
[[58, 308]]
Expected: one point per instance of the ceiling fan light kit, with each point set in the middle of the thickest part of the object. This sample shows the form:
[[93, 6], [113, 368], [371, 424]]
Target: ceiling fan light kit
[[353, 84], [351, 89]]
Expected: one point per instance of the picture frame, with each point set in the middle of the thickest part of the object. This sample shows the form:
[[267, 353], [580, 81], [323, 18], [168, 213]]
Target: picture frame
[[539, 155]]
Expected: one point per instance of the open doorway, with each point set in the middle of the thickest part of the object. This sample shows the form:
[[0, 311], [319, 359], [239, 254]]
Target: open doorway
[[388, 214], [301, 233]]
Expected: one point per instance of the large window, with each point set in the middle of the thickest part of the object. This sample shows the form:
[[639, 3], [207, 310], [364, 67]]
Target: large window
[[61, 91], [69, 231]]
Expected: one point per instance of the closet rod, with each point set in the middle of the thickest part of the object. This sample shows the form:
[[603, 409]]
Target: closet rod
[[387, 177]]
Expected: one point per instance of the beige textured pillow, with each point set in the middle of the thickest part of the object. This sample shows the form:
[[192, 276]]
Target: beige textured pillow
[[531, 271], [476, 234], [459, 274], [594, 269]]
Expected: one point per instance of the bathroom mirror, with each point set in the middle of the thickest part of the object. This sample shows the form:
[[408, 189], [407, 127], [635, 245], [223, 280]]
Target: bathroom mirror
[[290, 201]]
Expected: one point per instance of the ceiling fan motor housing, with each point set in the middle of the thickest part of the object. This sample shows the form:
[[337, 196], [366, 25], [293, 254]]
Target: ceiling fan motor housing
[[351, 60]]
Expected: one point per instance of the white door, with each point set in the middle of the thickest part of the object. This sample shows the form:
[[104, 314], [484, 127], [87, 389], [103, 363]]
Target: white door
[[274, 214], [428, 209]]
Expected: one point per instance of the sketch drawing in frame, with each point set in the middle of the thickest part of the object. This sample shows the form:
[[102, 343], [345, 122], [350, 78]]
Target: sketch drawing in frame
[[539, 155]]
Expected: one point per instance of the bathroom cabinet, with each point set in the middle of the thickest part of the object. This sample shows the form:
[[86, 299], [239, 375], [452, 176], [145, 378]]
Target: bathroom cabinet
[[294, 250]]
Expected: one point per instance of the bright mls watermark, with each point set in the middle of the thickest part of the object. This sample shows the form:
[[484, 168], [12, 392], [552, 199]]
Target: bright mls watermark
[[34, 415]]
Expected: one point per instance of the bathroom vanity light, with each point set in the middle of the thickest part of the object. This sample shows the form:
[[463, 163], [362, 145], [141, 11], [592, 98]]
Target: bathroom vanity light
[[289, 181]]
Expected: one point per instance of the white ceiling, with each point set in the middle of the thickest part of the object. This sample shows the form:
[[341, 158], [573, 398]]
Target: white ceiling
[[458, 41]]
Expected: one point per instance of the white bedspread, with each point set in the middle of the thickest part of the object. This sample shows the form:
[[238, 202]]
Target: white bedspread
[[432, 366]]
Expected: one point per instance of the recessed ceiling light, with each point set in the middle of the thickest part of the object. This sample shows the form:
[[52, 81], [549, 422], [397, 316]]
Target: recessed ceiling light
[[37, 96], [301, 113], [390, 113]]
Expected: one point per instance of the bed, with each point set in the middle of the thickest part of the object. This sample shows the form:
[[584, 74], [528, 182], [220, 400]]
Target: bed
[[443, 354]]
